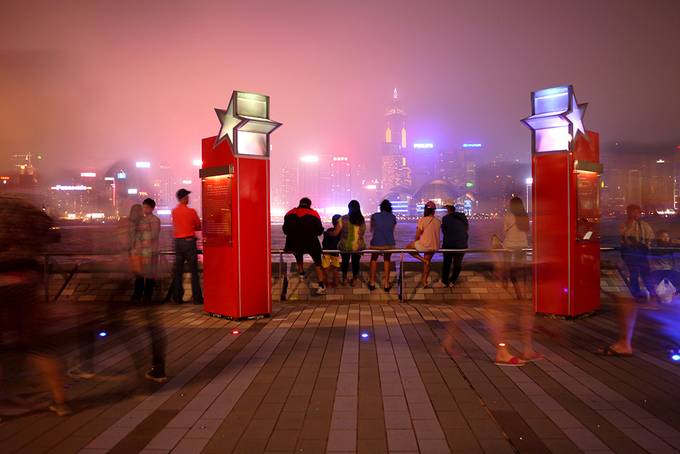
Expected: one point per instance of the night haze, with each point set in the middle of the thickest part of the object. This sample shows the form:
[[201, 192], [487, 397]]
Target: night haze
[[85, 81]]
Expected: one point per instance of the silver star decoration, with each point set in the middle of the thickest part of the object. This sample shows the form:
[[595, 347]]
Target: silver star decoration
[[228, 122], [575, 117]]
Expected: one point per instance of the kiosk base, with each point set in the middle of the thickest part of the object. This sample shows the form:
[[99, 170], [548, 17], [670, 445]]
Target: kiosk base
[[238, 319], [567, 317]]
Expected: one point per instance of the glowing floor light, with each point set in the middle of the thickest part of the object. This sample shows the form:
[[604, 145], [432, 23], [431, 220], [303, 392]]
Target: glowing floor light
[[675, 357], [235, 332], [103, 333], [364, 335]]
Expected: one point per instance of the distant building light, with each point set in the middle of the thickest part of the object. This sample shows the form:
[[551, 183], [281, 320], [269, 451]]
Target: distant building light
[[197, 162], [88, 174], [277, 212], [132, 191], [79, 187], [340, 158], [423, 146], [164, 212], [469, 184], [309, 158], [4, 178], [529, 181], [121, 175], [109, 179], [371, 187], [186, 181], [71, 216], [95, 215], [472, 145], [660, 161], [143, 164]]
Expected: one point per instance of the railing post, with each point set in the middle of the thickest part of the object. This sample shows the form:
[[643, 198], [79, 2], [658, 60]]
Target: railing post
[[284, 282], [400, 284]]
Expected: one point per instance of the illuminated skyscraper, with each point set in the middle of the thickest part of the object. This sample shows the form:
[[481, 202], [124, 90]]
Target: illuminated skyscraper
[[395, 170], [341, 181]]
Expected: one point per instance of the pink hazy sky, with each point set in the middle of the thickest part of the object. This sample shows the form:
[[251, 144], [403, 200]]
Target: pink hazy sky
[[88, 82]]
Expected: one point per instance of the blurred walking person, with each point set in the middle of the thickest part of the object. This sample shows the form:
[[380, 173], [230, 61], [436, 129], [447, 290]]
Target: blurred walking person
[[144, 253], [351, 228], [302, 227], [636, 238], [427, 240], [515, 269], [186, 223], [24, 232], [383, 224], [455, 228]]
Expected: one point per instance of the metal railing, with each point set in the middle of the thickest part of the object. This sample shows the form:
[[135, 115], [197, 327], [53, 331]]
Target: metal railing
[[283, 274]]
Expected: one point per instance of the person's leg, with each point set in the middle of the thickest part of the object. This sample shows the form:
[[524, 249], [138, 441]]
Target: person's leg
[[426, 268], [627, 309], [139, 288], [387, 265], [178, 293], [457, 266], [356, 263], [645, 275], [344, 266], [415, 254], [446, 268], [158, 345], [633, 276], [373, 269], [299, 262], [192, 258], [149, 286]]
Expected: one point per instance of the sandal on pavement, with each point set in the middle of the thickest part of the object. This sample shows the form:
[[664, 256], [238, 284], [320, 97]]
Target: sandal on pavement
[[608, 351], [535, 357], [512, 362]]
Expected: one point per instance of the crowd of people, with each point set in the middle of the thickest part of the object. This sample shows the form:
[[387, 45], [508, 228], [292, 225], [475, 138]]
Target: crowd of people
[[342, 244]]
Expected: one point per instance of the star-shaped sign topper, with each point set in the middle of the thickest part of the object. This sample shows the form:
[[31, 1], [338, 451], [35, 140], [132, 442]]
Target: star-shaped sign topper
[[575, 117], [247, 117]]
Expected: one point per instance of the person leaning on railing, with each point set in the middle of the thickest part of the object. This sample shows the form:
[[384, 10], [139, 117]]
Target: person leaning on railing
[[427, 240], [351, 228]]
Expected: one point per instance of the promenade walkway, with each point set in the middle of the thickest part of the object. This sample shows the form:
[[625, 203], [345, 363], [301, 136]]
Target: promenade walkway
[[369, 378]]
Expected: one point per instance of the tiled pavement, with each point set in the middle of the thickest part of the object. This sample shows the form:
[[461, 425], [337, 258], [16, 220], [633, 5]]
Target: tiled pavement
[[370, 378]]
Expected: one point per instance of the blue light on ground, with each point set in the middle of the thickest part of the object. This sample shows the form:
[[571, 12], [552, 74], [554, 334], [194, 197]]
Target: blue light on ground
[[675, 357], [364, 335], [103, 333]]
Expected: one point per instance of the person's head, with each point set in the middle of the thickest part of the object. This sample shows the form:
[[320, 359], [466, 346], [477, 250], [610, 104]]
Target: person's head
[[354, 211], [430, 209], [450, 209], [634, 212], [386, 206], [148, 205], [520, 213], [335, 219], [136, 212], [183, 196], [305, 202], [663, 236]]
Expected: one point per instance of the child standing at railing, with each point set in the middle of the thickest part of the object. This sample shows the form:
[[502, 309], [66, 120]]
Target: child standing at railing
[[331, 262]]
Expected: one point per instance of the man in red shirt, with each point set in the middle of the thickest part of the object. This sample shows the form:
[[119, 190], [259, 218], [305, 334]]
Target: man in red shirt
[[186, 223]]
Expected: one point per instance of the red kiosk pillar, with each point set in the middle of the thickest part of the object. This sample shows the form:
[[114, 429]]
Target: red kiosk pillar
[[236, 225], [566, 209]]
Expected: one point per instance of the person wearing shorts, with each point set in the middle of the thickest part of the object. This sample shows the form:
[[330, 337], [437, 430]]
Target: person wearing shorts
[[383, 224], [330, 262], [427, 240], [302, 227]]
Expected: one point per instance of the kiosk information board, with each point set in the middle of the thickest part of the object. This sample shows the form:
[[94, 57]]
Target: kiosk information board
[[217, 220]]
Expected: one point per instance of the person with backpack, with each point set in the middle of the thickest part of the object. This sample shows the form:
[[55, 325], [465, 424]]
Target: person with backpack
[[455, 232], [351, 228], [302, 227]]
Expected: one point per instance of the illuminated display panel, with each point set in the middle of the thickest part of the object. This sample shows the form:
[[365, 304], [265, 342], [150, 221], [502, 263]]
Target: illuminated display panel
[[251, 143], [251, 105], [553, 139], [217, 214], [551, 100], [588, 206]]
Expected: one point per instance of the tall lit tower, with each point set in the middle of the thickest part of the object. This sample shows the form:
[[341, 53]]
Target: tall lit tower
[[395, 171]]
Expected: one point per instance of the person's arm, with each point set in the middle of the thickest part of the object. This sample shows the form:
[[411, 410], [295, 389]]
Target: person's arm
[[372, 224], [197, 222], [338, 228], [419, 231]]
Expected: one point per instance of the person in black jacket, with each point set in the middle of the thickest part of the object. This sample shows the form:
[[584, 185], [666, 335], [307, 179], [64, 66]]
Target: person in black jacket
[[455, 229], [302, 226]]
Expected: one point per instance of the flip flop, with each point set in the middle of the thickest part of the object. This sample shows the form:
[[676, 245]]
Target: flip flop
[[512, 362], [610, 352], [535, 357]]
